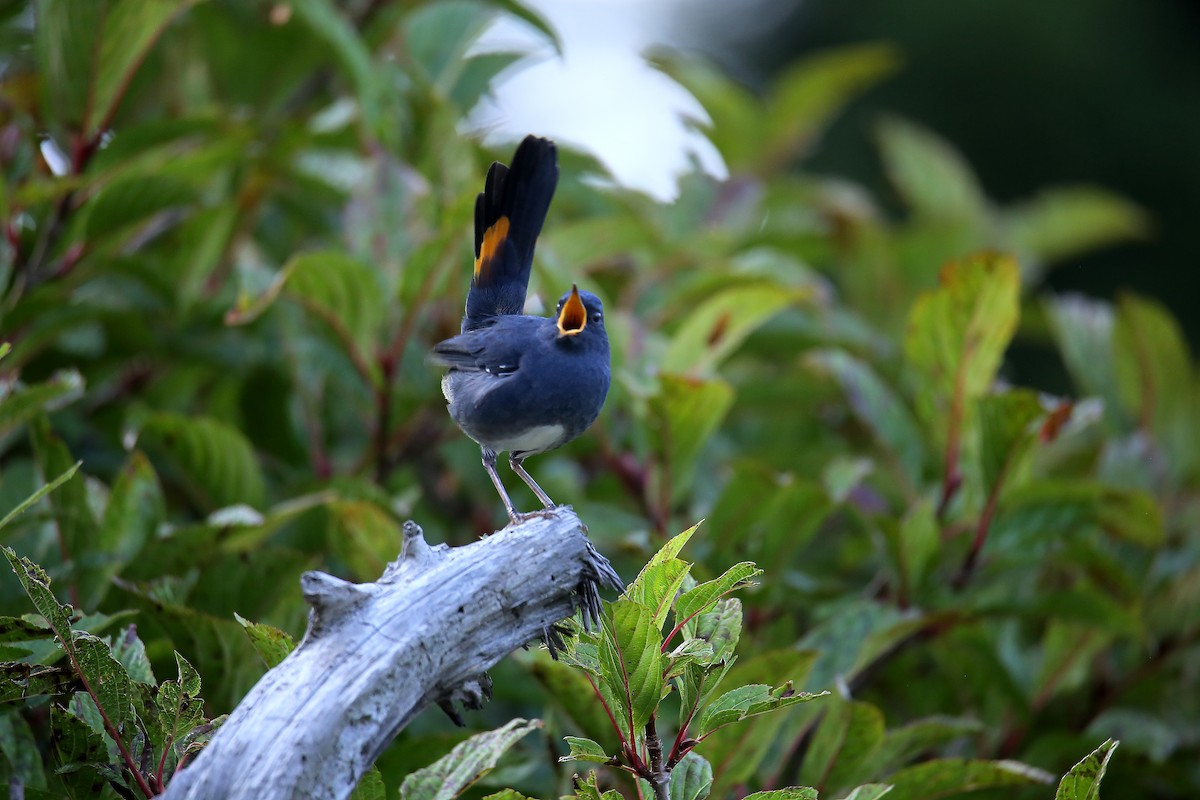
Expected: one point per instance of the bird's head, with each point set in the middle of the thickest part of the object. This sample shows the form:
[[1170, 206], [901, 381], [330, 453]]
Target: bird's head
[[578, 311]]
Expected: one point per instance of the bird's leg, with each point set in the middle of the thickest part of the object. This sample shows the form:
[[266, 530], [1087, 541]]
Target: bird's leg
[[515, 464], [489, 464]]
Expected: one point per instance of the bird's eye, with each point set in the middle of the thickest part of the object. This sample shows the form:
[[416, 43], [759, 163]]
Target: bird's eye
[[597, 317]]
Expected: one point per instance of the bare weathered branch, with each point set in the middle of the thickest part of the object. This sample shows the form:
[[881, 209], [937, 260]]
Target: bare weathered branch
[[376, 654]]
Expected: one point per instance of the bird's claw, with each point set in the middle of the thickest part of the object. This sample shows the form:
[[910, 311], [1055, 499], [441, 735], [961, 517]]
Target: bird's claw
[[517, 517]]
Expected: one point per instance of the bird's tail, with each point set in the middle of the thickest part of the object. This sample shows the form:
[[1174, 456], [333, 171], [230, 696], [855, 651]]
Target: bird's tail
[[508, 218]]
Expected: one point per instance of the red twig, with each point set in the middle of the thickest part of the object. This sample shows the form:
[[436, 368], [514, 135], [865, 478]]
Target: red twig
[[951, 479], [383, 416], [626, 748], [109, 726], [162, 762]]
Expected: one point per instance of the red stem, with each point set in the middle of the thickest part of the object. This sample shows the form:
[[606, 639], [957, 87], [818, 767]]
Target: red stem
[[112, 729], [952, 480], [162, 762], [625, 746], [383, 416], [684, 724]]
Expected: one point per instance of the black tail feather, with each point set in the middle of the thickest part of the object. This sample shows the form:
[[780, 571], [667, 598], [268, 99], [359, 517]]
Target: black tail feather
[[508, 218]]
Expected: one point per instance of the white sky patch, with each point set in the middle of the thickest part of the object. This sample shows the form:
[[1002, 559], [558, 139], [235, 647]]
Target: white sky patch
[[601, 96]]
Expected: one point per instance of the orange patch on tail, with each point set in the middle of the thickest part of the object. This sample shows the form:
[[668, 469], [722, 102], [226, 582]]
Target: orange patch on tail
[[492, 239]]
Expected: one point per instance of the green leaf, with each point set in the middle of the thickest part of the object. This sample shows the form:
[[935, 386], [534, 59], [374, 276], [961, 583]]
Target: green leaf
[[869, 791], [740, 751], [67, 37], [452, 774], [25, 402], [914, 543], [69, 504], [74, 741], [509, 794], [219, 643], [632, 663], [36, 583], [39, 494], [1066, 221], [343, 292], [703, 597], [1068, 650], [950, 777], [691, 779], [327, 22], [718, 325], [107, 680], [1083, 781], [21, 629], [363, 535], [789, 793], [1083, 330], [776, 514], [180, 707], [370, 786], [1006, 434], [878, 406], [843, 474], [135, 510], [930, 175], [691, 651], [735, 130], [20, 749], [721, 627], [530, 17], [845, 742], [20, 680], [807, 95], [748, 701], [673, 546], [1142, 731], [130, 653], [1155, 377], [213, 461], [1048, 507], [656, 585], [204, 238], [585, 750], [272, 644], [133, 200], [439, 37], [587, 789], [958, 333], [129, 31], [902, 745], [571, 689], [854, 637], [684, 413], [477, 76]]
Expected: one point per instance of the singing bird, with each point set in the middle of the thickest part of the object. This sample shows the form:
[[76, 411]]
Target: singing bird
[[515, 383]]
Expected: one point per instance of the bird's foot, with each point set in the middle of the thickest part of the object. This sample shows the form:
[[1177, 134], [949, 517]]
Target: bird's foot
[[517, 517]]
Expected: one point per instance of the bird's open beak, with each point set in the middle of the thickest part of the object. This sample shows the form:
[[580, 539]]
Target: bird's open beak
[[573, 317]]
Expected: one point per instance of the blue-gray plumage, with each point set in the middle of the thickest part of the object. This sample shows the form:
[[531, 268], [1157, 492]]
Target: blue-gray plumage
[[521, 384]]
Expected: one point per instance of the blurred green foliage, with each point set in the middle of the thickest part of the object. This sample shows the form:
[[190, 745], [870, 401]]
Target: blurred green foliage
[[233, 229]]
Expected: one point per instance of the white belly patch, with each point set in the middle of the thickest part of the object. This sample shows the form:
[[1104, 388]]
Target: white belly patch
[[534, 440]]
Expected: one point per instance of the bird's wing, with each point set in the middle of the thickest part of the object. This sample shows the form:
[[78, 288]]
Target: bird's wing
[[478, 351]]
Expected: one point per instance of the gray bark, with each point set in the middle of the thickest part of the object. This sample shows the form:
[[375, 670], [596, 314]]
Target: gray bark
[[376, 654]]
